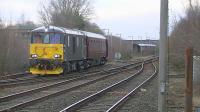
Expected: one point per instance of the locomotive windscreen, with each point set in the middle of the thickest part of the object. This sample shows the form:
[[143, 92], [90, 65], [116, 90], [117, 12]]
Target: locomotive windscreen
[[47, 38]]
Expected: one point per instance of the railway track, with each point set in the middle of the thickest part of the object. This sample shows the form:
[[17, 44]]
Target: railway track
[[14, 76], [25, 98], [12, 82], [177, 76], [20, 80], [103, 99], [122, 101], [17, 75], [37, 79]]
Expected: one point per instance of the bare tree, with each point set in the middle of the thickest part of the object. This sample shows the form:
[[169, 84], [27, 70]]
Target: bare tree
[[185, 34], [92, 27], [66, 13], [1, 23], [190, 3]]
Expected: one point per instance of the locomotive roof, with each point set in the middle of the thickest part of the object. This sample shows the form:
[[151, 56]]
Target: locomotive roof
[[71, 31], [48, 29], [94, 35], [68, 31], [147, 45]]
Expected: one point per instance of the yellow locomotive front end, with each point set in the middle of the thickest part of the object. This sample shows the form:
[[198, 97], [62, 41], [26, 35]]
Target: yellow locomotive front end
[[46, 52], [46, 58]]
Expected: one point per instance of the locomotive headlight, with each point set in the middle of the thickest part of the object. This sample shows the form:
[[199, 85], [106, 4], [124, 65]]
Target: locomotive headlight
[[57, 56], [34, 56]]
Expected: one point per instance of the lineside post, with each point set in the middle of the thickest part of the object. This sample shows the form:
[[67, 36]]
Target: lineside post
[[189, 79], [163, 56]]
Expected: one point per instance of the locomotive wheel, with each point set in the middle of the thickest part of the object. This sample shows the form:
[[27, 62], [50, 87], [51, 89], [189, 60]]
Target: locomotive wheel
[[103, 61], [66, 68], [74, 66], [81, 66], [38, 75], [77, 66], [69, 66]]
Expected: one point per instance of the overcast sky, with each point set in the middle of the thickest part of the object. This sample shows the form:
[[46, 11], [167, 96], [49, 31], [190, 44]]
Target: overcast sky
[[126, 17]]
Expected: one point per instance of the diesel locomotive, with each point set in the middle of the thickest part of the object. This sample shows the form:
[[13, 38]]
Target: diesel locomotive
[[57, 50]]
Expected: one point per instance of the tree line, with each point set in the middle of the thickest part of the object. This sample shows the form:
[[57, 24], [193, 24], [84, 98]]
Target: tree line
[[14, 42], [75, 14], [185, 33]]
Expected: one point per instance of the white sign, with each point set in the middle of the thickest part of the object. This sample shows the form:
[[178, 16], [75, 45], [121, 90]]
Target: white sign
[[118, 55]]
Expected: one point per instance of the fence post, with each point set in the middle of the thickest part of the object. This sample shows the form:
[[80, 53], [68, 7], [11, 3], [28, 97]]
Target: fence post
[[189, 79]]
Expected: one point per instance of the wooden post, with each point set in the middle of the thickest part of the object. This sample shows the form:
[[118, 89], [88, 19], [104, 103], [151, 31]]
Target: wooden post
[[189, 79]]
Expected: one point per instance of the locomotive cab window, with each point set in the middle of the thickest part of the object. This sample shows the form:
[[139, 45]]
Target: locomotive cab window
[[47, 38], [37, 39], [55, 38]]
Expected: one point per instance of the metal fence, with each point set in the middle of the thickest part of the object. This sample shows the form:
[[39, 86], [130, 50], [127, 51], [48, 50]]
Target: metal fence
[[14, 50], [196, 80]]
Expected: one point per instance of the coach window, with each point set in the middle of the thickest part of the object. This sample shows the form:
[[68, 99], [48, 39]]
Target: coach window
[[82, 43], [90, 42], [68, 40], [74, 44], [77, 41]]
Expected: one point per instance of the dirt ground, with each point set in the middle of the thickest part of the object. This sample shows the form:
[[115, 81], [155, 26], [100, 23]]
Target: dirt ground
[[176, 93], [196, 96]]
